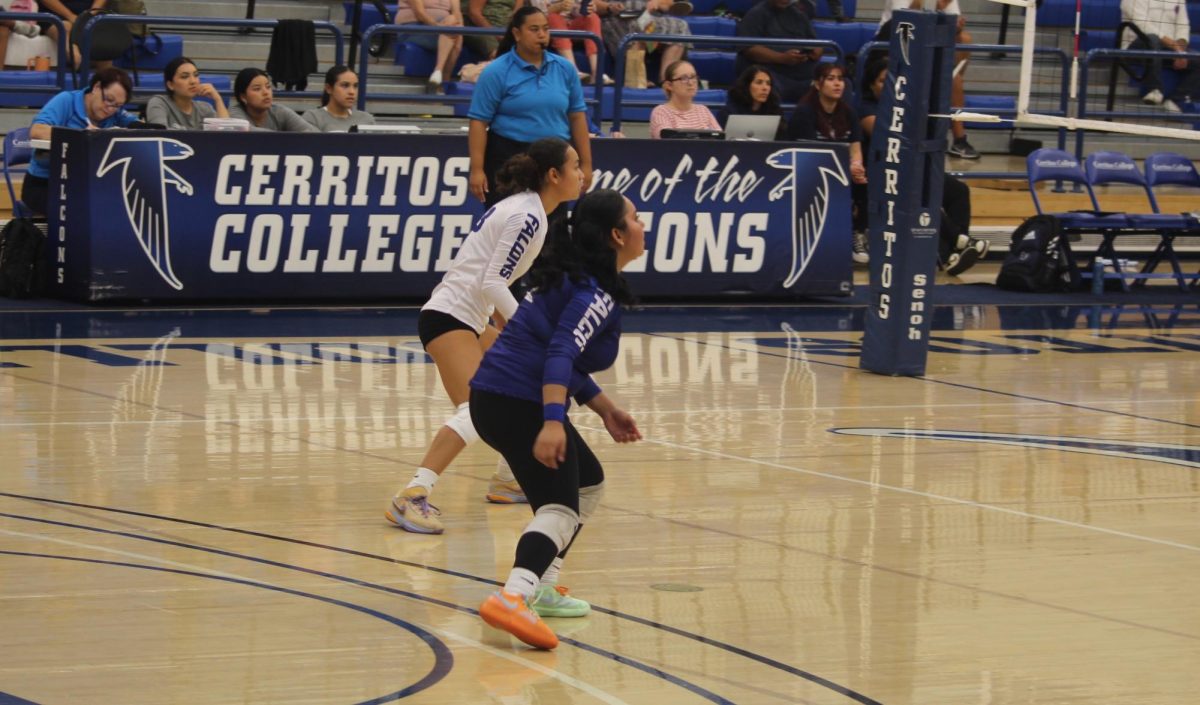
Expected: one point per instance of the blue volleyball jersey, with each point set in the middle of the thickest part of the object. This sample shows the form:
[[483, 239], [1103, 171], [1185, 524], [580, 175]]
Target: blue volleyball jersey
[[558, 336]]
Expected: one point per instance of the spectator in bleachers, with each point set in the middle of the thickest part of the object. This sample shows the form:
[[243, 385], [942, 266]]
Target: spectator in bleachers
[[10, 27], [568, 14], [1165, 26], [487, 13], [961, 147], [643, 16], [791, 68], [256, 104], [97, 107], [178, 109], [680, 112], [435, 13], [69, 10], [957, 250], [824, 114], [526, 94], [752, 94], [338, 111]]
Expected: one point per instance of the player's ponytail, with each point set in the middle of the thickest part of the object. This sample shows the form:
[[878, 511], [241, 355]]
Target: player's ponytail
[[581, 246], [527, 171]]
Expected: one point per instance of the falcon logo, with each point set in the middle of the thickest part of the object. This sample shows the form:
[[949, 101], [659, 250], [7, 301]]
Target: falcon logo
[[808, 221], [1170, 453], [144, 179], [907, 33]]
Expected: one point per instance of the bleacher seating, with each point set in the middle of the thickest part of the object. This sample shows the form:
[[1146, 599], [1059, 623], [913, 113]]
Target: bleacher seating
[[154, 51], [713, 98], [1100, 14], [370, 15], [18, 79]]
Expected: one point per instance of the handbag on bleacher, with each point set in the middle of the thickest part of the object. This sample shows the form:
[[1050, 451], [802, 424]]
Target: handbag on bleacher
[[130, 7]]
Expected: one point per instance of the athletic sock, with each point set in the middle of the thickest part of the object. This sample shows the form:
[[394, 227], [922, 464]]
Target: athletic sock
[[550, 577], [521, 581], [504, 472], [424, 478]]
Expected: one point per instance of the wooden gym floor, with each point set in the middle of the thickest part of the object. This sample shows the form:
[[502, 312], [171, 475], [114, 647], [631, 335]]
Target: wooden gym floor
[[191, 512]]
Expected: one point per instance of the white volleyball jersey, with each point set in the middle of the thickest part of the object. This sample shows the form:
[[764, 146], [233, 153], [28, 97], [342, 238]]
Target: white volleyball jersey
[[501, 247]]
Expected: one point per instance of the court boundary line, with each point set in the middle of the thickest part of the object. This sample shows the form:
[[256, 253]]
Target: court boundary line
[[442, 652], [357, 582]]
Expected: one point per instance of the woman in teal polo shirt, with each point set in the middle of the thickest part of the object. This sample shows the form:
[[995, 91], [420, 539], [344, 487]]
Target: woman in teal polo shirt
[[526, 94], [96, 108]]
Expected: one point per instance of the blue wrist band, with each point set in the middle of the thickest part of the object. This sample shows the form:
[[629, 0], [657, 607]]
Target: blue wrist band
[[554, 412]]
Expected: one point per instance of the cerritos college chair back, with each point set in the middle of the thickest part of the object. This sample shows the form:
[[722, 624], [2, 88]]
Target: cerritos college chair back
[[17, 151]]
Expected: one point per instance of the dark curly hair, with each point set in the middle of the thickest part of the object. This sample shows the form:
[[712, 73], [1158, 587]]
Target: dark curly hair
[[739, 92], [580, 247]]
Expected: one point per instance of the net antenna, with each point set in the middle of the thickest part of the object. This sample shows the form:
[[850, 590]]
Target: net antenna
[[1025, 118]]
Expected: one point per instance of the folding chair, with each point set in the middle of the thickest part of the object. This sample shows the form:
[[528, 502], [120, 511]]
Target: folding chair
[[1107, 167], [1173, 169], [17, 151], [1062, 167]]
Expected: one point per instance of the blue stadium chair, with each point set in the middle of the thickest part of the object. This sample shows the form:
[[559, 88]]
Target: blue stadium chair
[[704, 7], [1171, 169], [712, 26], [1108, 167], [16, 152], [716, 67], [370, 15], [154, 51], [850, 36], [1100, 14], [739, 7], [1056, 165], [12, 79], [988, 103], [850, 7], [155, 82]]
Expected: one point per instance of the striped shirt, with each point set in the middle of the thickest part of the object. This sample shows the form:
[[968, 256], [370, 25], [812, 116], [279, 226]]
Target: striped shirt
[[697, 117]]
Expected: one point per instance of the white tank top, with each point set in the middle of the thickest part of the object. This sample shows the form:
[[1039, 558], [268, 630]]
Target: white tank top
[[500, 249]]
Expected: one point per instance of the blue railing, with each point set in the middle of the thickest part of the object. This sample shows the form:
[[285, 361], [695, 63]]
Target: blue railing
[[429, 29], [698, 40], [60, 80], [85, 46], [1116, 55], [1063, 102]]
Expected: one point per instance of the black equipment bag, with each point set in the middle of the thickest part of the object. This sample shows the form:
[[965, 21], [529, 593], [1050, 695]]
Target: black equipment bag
[[22, 259], [1037, 258]]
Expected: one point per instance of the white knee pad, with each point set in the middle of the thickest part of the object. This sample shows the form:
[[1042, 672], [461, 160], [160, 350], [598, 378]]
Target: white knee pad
[[557, 522], [461, 424], [589, 499]]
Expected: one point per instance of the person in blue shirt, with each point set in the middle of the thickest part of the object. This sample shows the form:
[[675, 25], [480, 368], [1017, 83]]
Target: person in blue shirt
[[526, 94], [568, 327], [97, 107]]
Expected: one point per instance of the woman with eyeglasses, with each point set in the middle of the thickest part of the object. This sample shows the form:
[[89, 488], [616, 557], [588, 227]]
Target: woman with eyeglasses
[[96, 108], [680, 112], [178, 109], [339, 102], [256, 104]]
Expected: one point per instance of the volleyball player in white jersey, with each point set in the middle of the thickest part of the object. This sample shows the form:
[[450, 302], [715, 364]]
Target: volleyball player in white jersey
[[453, 324]]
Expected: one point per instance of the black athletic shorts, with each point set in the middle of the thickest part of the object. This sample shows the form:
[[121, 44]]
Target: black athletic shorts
[[432, 324]]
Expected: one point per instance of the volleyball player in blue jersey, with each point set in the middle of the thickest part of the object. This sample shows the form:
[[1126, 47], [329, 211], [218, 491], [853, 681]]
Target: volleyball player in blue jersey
[[453, 324], [567, 327]]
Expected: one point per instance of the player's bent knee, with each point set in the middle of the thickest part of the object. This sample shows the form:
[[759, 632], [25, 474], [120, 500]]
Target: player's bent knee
[[556, 521], [589, 500], [461, 424]]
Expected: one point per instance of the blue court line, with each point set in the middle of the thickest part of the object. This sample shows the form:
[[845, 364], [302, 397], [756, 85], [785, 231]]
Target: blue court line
[[930, 380], [759, 658], [443, 659], [650, 670]]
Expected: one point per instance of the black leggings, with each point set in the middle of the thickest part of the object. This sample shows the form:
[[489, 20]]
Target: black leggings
[[510, 426]]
